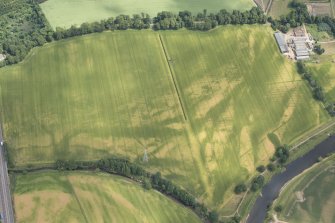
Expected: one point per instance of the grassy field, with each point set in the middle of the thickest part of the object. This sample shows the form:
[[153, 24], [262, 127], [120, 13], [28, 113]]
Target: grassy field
[[316, 186], [64, 13], [91, 197], [113, 93]]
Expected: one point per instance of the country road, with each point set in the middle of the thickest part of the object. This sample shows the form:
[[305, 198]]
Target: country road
[[6, 206]]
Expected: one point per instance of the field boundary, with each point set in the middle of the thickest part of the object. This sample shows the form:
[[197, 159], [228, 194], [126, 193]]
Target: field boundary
[[168, 60]]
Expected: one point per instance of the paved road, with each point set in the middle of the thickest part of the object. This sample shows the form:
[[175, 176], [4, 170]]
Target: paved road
[[6, 206]]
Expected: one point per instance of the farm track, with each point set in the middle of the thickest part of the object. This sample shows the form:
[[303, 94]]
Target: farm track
[[168, 61], [268, 8]]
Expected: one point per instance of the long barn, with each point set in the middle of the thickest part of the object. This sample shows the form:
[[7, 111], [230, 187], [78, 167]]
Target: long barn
[[281, 42]]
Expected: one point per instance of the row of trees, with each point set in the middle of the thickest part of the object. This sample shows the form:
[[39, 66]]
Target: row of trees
[[205, 21], [165, 21], [317, 90], [18, 41], [123, 167], [280, 157]]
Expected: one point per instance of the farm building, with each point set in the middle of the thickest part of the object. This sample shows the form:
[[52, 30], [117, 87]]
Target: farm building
[[280, 38], [300, 47]]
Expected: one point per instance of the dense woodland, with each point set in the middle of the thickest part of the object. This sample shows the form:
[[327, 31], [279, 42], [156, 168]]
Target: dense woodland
[[23, 26]]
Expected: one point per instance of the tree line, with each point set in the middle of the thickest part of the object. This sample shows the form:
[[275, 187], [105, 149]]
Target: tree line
[[316, 88], [18, 41], [279, 158], [122, 166]]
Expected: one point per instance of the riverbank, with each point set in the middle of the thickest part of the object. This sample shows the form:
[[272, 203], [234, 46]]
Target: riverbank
[[272, 189]]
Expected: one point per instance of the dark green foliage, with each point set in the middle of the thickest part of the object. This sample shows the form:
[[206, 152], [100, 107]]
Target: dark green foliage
[[23, 26], [278, 208], [318, 93], [261, 168], [257, 183], [318, 49], [213, 217], [235, 219], [282, 153], [204, 21], [240, 188], [324, 27], [301, 67], [331, 109], [271, 167], [147, 184]]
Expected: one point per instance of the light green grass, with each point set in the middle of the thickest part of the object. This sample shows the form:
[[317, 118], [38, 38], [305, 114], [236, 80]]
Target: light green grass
[[64, 13], [112, 94], [317, 184], [79, 197]]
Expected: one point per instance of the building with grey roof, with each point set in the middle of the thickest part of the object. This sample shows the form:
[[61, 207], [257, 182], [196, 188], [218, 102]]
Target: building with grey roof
[[281, 42]]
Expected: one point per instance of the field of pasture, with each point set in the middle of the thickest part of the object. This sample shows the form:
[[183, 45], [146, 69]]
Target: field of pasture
[[91, 197], [201, 103], [64, 13], [310, 197]]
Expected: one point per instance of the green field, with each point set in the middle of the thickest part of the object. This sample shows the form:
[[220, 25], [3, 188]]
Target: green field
[[316, 187], [91, 197], [64, 13], [113, 94]]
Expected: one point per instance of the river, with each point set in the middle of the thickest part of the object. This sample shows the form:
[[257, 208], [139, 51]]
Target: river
[[272, 189]]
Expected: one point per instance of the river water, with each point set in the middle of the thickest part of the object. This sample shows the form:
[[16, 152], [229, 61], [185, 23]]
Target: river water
[[271, 190]]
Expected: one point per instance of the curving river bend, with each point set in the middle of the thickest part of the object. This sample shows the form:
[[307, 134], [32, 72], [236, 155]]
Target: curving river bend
[[272, 189]]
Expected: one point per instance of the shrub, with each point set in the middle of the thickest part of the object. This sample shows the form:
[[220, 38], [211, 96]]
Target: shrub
[[147, 184], [257, 183], [282, 153], [260, 168], [271, 167], [213, 217], [278, 208], [240, 188]]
